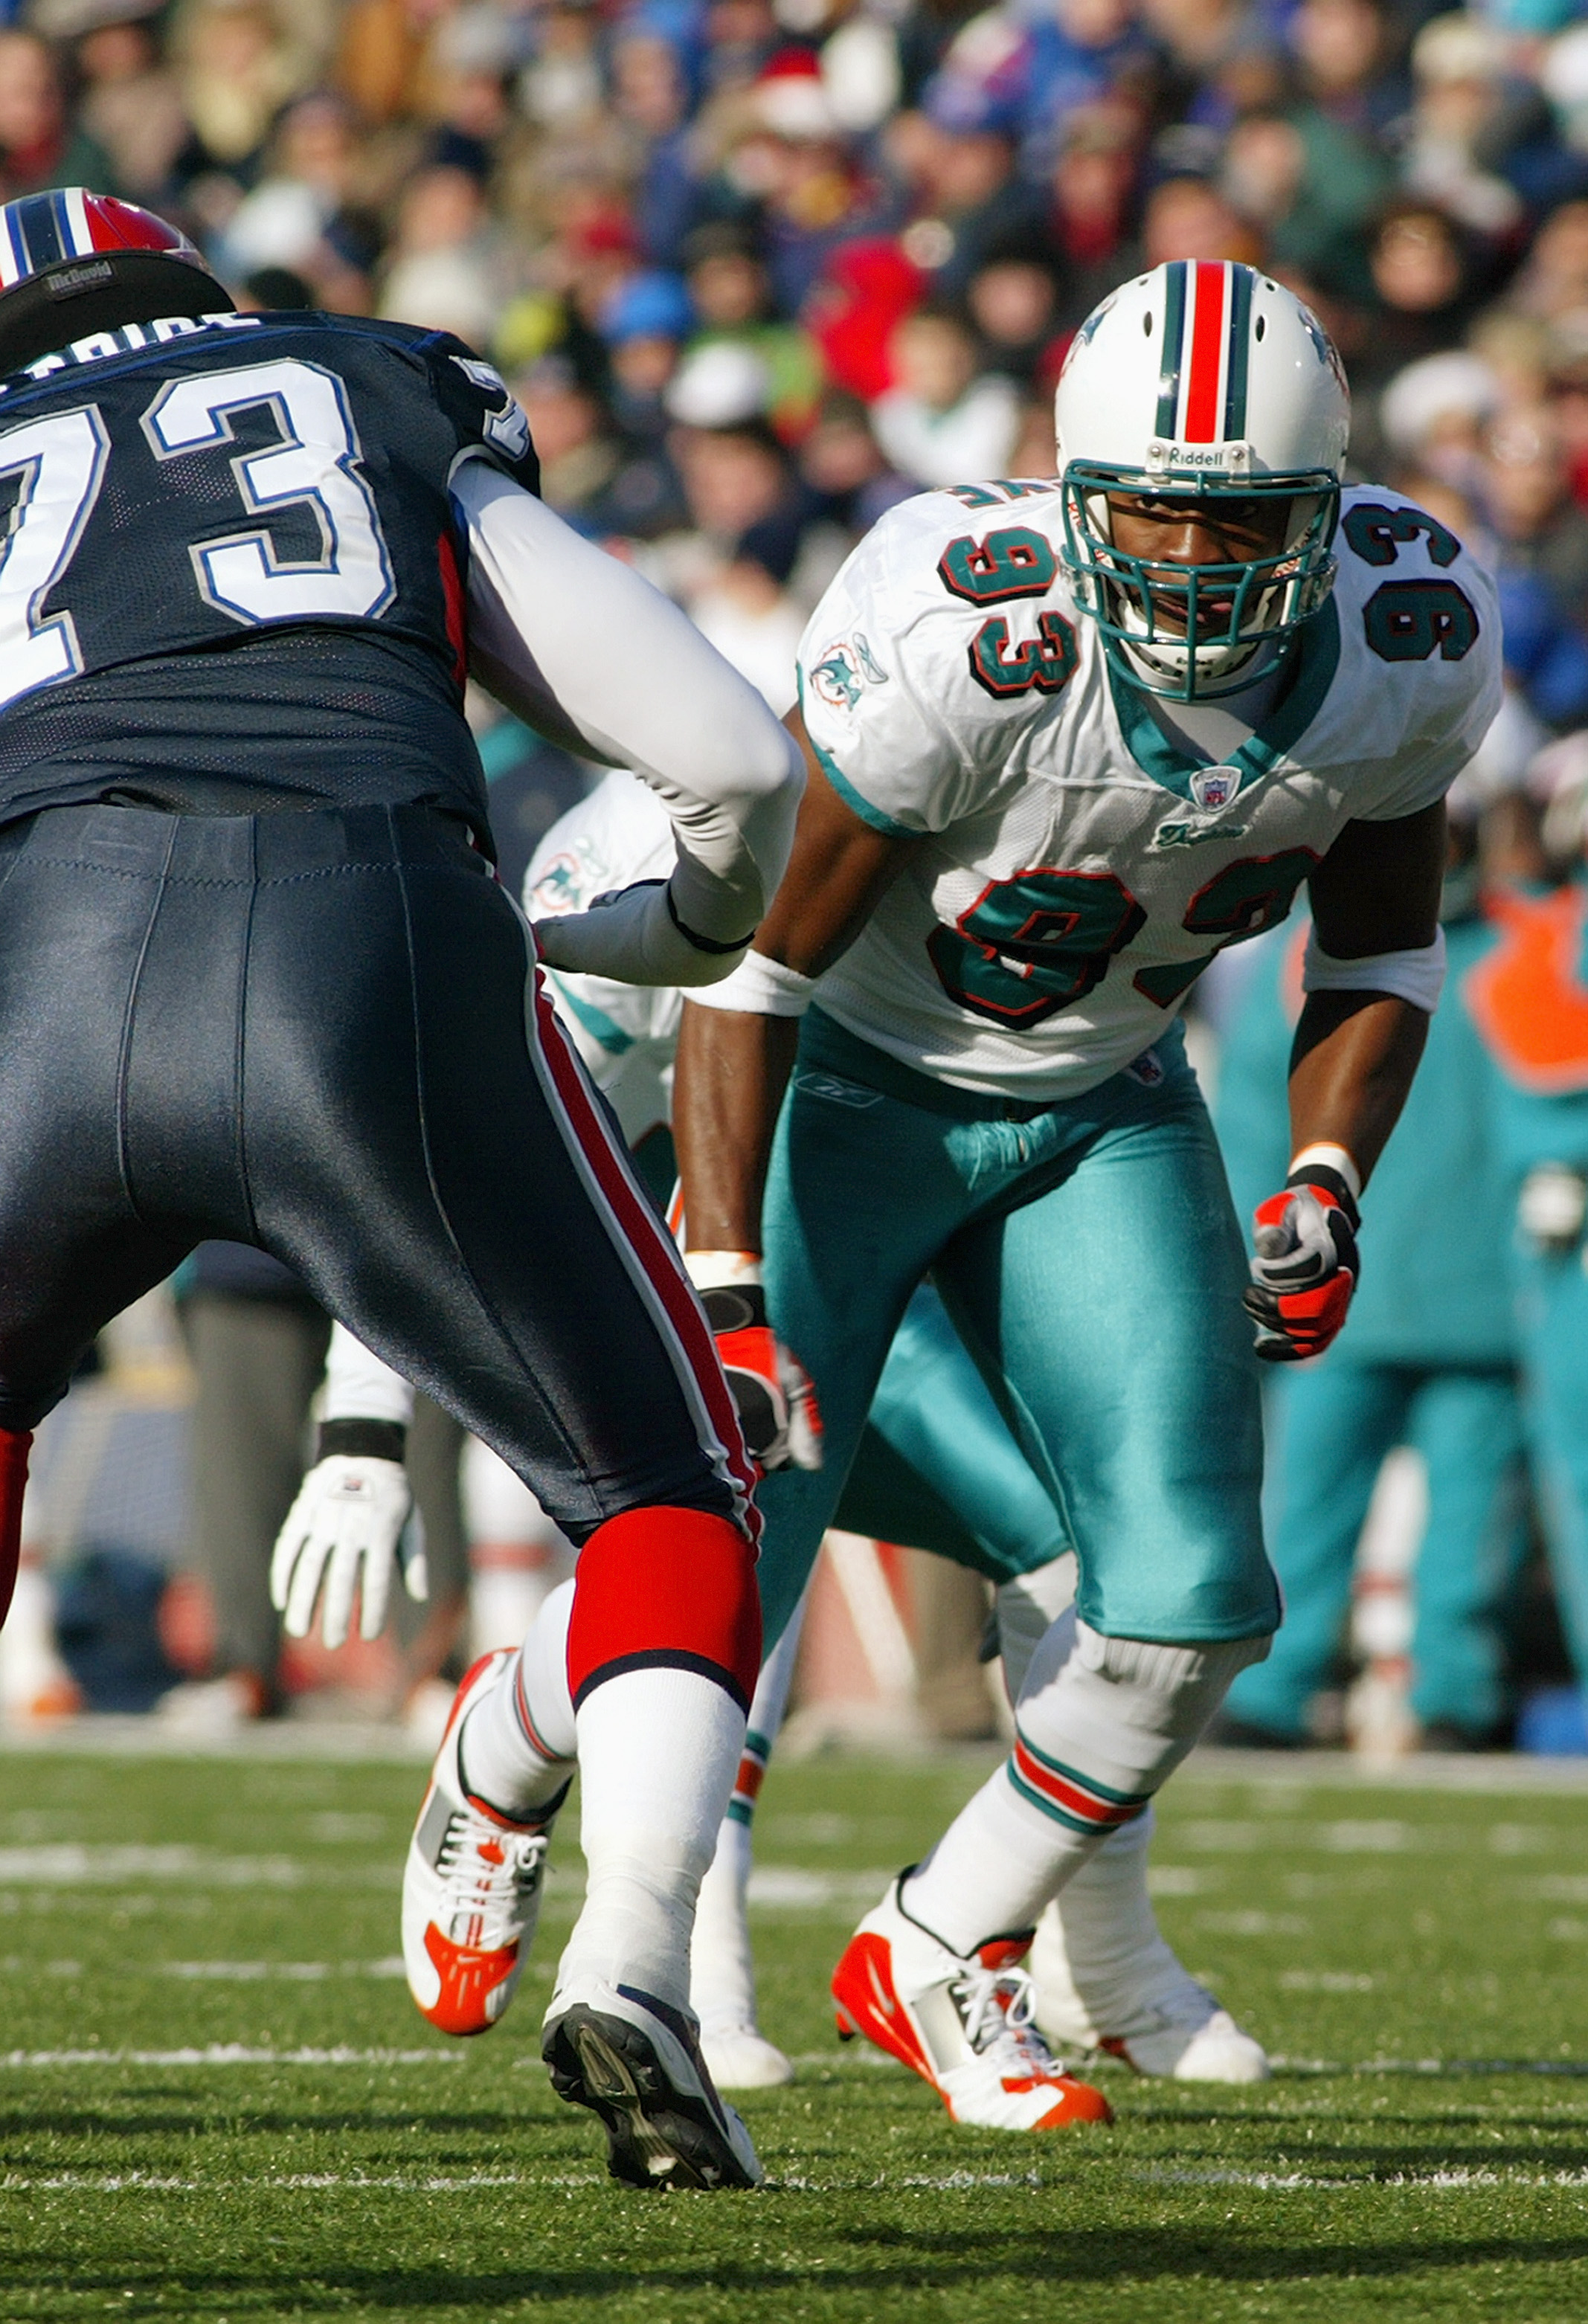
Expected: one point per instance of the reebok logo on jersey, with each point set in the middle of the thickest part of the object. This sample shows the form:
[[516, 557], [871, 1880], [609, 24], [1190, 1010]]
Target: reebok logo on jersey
[[1192, 835]]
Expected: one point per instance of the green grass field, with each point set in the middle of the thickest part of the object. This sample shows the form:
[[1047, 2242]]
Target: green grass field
[[217, 2101]]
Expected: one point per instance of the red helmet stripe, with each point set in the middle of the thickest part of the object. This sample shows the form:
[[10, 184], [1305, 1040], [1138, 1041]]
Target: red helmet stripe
[[1203, 403]]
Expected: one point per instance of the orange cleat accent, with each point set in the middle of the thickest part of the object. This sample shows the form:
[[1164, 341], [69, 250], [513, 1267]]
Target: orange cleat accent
[[964, 2025], [475, 1986], [471, 1888]]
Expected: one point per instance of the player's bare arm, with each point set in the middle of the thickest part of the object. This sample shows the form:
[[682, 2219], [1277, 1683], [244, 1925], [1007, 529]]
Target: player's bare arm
[[733, 1065], [1376, 891], [1375, 902]]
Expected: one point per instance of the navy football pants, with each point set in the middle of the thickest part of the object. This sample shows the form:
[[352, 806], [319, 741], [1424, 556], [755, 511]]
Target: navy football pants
[[317, 1031]]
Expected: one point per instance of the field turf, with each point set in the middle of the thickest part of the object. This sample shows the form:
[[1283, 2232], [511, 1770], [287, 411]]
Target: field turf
[[217, 2101]]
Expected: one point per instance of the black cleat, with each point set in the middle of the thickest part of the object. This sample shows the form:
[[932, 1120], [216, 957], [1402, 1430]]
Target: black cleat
[[635, 2062]]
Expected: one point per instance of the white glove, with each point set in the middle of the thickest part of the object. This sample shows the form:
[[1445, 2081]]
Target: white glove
[[633, 936], [346, 1526]]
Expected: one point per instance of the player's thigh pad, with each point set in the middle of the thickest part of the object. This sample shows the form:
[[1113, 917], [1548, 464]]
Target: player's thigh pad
[[1109, 1300]]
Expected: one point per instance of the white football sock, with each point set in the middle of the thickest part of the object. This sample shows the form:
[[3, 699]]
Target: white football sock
[[518, 1741], [722, 1969], [1100, 1959], [657, 1750], [1103, 1965], [1026, 1609], [1100, 1724], [722, 1972]]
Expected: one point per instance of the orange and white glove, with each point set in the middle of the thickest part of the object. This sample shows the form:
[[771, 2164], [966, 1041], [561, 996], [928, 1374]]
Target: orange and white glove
[[1306, 1264], [777, 1408]]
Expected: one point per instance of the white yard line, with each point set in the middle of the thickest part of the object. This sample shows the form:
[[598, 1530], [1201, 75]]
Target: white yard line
[[1343, 1771], [273, 1739], [227, 2054], [248, 1972], [1438, 2180], [794, 1887], [406, 2182]]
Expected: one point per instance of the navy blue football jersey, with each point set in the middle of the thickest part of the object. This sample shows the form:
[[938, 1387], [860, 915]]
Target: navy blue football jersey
[[231, 577]]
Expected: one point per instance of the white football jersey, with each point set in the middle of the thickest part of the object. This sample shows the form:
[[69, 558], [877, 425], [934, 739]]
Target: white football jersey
[[1085, 858], [626, 1033]]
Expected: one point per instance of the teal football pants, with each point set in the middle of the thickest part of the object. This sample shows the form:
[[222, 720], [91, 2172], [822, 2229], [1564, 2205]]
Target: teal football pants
[[1552, 1314], [1334, 1423], [938, 1468], [1088, 1255]]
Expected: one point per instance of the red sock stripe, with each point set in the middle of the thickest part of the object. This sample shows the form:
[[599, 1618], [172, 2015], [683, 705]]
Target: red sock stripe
[[750, 1778], [1070, 1796], [657, 1270], [13, 1477], [665, 1587], [520, 1703]]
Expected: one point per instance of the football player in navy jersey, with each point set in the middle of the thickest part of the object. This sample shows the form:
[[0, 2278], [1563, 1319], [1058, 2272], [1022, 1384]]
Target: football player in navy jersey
[[259, 982]]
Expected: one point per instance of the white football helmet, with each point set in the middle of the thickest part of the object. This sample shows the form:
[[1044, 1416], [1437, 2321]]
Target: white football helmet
[[1201, 381]]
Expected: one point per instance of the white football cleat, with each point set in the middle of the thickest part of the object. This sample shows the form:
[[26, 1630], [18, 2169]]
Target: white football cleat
[[635, 2061], [964, 2025], [471, 1887], [1136, 2002]]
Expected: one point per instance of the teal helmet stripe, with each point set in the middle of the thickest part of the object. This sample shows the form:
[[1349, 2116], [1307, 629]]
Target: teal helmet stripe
[[1174, 347], [1240, 282]]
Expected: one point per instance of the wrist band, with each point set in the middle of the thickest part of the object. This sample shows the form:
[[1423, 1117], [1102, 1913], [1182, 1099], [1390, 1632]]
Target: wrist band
[[1330, 1157], [759, 987], [713, 1270], [362, 1440]]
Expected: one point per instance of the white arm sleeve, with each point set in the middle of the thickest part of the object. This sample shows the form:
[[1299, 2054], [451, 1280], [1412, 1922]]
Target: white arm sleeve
[[595, 657], [360, 1387]]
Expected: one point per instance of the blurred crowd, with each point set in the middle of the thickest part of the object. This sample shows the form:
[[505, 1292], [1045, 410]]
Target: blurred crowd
[[759, 269]]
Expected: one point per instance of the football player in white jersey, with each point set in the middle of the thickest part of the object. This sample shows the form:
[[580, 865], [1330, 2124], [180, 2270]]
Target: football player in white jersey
[[1109, 1978], [1065, 740]]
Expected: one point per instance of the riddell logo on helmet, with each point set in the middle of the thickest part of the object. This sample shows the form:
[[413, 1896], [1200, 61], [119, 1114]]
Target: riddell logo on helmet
[[1202, 455]]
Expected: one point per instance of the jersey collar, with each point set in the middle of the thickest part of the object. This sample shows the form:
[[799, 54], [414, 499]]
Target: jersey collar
[[1313, 664]]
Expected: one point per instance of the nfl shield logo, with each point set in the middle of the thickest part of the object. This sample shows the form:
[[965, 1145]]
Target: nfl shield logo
[[1216, 787]]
